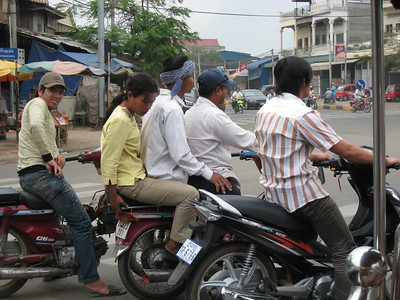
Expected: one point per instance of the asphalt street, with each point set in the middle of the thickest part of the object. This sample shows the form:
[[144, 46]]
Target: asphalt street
[[356, 128]]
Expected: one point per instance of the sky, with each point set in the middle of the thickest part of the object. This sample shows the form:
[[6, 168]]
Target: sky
[[248, 34]]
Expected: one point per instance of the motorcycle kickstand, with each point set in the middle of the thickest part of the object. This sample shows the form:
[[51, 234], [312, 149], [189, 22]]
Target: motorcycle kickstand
[[246, 266]]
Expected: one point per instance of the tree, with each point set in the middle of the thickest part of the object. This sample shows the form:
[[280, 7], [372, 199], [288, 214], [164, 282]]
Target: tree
[[147, 31]]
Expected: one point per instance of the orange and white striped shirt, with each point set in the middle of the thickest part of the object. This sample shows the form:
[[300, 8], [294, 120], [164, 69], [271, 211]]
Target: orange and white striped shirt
[[287, 132]]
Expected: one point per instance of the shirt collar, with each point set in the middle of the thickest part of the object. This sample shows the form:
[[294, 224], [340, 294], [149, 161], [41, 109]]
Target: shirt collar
[[124, 109], [166, 92], [292, 97], [206, 101]]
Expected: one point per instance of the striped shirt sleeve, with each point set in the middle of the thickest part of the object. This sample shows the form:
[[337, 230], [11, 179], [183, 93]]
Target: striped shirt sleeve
[[318, 133]]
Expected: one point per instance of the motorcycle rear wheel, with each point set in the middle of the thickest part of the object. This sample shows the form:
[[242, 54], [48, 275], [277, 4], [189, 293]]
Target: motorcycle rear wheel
[[222, 267], [16, 245], [130, 265]]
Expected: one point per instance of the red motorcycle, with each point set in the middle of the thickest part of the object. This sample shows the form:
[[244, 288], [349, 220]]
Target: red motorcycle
[[36, 242], [141, 233], [364, 104]]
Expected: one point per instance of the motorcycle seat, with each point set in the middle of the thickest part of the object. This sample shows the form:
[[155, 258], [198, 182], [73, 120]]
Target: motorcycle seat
[[9, 196], [267, 212], [134, 204], [33, 201]]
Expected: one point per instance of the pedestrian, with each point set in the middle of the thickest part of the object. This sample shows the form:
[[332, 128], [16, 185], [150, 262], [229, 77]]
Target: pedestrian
[[271, 94], [122, 167], [287, 132], [333, 94], [211, 133], [164, 149], [40, 171]]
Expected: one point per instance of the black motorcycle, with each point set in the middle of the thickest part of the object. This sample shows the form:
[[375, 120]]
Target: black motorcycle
[[248, 248]]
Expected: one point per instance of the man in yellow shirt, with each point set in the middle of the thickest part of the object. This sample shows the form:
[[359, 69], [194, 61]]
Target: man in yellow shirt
[[40, 172]]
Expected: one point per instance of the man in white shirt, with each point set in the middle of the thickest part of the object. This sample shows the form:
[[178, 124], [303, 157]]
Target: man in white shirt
[[235, 96], [211, 133], [164, 149]]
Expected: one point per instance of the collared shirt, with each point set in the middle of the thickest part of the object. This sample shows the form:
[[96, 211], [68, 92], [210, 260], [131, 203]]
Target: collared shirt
[[287, 132], [211, 133], [165, 151], [120, 146], [37, 137]]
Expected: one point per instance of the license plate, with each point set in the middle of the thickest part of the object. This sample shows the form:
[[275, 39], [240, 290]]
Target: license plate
[[122, 229], [188, 251]]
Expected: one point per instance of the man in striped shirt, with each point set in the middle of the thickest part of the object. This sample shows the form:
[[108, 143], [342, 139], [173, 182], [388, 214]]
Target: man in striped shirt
[[287, 132], [40, 172]]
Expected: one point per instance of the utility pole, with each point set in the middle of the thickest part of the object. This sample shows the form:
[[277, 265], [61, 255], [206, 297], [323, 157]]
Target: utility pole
[[101, 60], [12, 23], [273, 66]]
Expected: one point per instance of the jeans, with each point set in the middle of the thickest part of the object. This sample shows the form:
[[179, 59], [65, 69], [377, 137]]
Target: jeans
[[200, 183], [61, 196], [328, 222]]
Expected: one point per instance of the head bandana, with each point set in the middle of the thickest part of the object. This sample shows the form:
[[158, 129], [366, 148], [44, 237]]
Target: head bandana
[[177, 76]]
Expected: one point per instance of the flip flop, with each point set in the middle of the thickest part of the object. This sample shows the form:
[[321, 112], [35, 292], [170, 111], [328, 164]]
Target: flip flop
[[112, 291]]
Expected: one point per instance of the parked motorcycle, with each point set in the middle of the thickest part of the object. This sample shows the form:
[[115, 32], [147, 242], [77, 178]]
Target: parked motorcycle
[[248, 248], [364, 104], [37, 242]]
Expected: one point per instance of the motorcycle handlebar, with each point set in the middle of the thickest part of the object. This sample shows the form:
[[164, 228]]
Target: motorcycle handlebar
[[73, 158], [326, 163]]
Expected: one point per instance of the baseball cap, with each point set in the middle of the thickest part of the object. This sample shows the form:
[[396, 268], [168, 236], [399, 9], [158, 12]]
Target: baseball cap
[[52, 79], [213, 77]]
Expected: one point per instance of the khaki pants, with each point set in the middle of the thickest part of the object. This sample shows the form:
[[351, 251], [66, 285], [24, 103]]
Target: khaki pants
[[166, 193]]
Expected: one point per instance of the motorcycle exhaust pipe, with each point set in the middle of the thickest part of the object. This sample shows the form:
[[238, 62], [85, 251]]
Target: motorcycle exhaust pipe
[[155, 275], [29, 273]]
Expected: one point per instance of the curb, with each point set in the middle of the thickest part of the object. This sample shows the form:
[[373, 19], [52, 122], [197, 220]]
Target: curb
[[334, 107]]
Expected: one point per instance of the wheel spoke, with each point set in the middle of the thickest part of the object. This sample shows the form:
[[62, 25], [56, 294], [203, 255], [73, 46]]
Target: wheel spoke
[[205, 284], [230, 267]]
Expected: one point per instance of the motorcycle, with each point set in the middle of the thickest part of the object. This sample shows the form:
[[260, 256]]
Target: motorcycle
[[141, 233], [311, 101], [239, 106], [240, 253], [364, 104], [37, 242]]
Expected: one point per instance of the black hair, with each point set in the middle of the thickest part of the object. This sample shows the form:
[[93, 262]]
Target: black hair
[[205, 91], [173, 63], [138, 84], [291, 73]]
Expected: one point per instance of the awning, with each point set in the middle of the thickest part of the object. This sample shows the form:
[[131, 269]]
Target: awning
[[325, 65], [261, 62]]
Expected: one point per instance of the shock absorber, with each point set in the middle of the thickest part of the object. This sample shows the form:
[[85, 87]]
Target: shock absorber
[[247, 265]]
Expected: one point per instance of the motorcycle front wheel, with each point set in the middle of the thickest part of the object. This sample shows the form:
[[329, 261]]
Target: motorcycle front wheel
[[16, 246], [367, 108], [222, 268], [131, 263]]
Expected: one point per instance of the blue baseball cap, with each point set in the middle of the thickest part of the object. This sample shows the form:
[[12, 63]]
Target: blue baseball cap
[[212, 78]]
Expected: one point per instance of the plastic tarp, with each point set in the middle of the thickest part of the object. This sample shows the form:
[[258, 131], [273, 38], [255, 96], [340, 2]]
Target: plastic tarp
[[60, 67], [39, 52]]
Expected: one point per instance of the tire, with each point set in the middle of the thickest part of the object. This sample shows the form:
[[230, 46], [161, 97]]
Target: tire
[[130, 265], [18, 245], [213, 268], [396, 99], [345, 98], [241, 109], [367, 108]]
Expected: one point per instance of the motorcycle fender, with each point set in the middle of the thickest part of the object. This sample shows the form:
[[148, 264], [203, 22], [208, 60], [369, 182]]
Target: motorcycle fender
[[120, 247], [137, 228]]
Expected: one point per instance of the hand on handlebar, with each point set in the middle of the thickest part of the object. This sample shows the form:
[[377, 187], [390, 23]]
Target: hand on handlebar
[[220, 182], [392, 162], [320, 157]]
